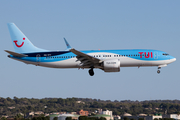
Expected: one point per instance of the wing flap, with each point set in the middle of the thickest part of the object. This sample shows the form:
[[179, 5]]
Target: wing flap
[[85, 59], [83, 56]]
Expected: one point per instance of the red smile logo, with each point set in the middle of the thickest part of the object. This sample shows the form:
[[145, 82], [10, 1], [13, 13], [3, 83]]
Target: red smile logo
[[15, 41]]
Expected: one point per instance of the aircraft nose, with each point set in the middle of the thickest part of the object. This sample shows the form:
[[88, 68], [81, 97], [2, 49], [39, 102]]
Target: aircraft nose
[[174, 59]]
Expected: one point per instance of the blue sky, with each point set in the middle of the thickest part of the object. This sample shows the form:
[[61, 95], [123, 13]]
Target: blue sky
[[87, 25]]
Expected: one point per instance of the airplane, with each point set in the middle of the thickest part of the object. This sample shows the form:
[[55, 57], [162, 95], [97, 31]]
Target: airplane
[[106, 60]]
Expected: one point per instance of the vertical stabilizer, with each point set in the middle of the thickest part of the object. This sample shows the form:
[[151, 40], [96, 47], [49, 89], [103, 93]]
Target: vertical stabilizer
[[21, 43]]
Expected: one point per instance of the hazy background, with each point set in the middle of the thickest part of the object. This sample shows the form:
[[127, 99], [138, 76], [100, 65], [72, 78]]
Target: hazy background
[[98, 24]]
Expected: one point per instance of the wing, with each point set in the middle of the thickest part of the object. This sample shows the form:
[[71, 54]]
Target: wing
[[86, 60]]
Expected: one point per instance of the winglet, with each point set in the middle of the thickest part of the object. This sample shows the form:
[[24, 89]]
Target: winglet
[[67, 44]]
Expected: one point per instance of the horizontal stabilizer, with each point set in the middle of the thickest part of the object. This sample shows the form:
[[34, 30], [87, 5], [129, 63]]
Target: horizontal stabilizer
[[15, 54]]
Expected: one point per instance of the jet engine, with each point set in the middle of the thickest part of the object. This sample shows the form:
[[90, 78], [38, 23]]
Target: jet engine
[[112, 65]]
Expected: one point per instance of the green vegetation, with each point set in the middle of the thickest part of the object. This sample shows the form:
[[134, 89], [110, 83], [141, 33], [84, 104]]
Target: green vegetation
[[12, 107], [3, 118]]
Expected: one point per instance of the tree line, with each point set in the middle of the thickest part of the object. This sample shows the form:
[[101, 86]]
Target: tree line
[[11, 107]]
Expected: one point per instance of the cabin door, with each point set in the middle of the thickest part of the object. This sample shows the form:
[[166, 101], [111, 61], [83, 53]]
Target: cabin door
[[155, 55], [38, 58]]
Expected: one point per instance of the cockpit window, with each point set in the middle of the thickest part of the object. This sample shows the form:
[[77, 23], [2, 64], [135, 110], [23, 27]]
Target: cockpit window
[[165, 54]]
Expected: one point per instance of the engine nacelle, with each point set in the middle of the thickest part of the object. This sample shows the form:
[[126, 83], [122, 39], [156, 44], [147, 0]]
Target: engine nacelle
[[112, 65]]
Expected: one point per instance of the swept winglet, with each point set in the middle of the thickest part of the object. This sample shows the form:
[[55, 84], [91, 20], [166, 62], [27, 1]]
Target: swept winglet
[[67, 44]]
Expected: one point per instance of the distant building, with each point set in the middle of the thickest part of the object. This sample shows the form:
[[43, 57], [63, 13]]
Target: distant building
[[100, 111], [153, 117], [11, 107], [63, 116], [74, 113], [134, 117], [83, 113], [5, 116], [144, 116], [31, 113], [117, 117], [107, 112], [38, 113], [80, 102], [127, 114], [46, 114], [175, 116]]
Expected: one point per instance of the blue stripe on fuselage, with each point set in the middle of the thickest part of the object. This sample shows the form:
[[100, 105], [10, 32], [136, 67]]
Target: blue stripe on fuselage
[[154, 55]]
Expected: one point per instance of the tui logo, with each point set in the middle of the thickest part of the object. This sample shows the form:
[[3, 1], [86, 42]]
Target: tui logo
[[15, 41], [146, 56]]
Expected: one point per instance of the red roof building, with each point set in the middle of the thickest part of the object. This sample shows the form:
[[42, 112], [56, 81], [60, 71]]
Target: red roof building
[[83, 113]]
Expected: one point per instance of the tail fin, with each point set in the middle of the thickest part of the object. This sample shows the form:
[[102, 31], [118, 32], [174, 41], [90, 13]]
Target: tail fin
[[20, 42]]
